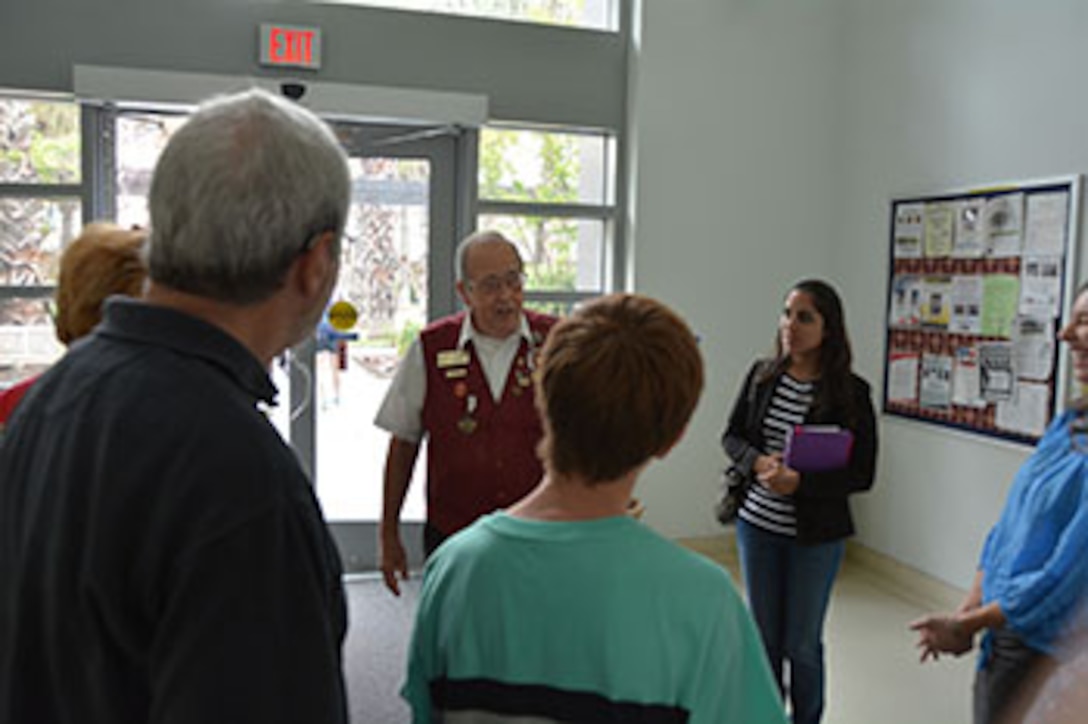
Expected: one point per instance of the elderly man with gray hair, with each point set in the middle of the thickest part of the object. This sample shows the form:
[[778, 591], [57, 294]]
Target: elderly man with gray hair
[[465, 385], [162, 555]]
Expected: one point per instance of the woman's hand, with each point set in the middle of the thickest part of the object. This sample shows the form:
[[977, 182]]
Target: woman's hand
[[764, 463], [776, 476], [942, 634]]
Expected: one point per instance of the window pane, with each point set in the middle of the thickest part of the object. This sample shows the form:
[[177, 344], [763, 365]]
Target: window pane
[[383, 273], [559, 254], [384, 259], [39, 142], [141, 137], [27, 342], [33, 231], [542, 167], [596, 14]]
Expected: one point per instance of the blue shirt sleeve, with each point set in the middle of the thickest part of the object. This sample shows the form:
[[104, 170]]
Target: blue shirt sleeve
[[1034, 563]]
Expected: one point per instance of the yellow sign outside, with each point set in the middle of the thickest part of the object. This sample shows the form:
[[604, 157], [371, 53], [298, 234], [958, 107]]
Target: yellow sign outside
[[343, 316]]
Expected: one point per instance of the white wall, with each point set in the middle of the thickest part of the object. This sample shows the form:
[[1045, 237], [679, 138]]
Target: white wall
[[946, 95], [731, 123], [768, 139]]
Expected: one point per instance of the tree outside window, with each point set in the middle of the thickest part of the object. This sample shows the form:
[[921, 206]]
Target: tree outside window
[[40, 211], [547, 192]]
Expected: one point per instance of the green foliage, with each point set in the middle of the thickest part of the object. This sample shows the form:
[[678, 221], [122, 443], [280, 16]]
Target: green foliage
[[39, 144], [533, 166], [559, 156], [389, 337], [55, 158], [54, 147], [408, 333], [556, 309], [556, 278], [495, 163], [536, 167]]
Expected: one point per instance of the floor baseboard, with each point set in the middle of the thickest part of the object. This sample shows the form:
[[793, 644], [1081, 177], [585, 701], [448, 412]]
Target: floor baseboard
[[902, 580], [882, 570]]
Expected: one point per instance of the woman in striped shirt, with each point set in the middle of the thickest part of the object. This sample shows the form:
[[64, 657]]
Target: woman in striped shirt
[[792, 524]]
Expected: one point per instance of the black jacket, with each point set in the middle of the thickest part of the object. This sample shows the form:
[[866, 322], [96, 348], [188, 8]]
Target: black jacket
[[823, 513], [162, 555]]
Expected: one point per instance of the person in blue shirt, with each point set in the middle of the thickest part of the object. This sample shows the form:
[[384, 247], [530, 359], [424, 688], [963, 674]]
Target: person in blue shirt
[[1033, 572], [327, 341]]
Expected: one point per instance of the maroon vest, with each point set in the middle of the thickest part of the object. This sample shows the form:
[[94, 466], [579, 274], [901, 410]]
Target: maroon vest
[[483, 459]]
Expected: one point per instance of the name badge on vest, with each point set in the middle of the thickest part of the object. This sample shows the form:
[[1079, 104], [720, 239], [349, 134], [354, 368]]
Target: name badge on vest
[[452, 358]]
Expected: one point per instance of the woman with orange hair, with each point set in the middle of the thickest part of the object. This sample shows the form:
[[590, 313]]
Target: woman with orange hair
[[104, 260]]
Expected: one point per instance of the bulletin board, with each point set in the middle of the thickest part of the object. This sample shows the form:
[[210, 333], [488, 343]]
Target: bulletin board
[[978, 284]]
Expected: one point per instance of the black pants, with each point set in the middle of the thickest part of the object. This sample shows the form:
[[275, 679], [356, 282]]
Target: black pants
[[432, 538], [1000, 684]]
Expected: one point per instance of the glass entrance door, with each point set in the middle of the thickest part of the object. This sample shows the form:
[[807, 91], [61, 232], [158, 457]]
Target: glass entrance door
[[396, 262], [399, 231]]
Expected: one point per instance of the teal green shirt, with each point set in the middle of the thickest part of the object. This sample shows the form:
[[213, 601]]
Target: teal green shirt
[[583, 620]]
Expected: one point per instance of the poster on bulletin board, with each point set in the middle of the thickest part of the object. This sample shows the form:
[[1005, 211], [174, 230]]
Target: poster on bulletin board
[[977, 288]]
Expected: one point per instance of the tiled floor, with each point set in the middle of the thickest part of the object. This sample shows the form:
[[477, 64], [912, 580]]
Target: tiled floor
[[874, 676]]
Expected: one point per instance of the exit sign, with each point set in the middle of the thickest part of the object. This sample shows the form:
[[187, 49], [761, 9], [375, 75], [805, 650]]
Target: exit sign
[[290, 46]]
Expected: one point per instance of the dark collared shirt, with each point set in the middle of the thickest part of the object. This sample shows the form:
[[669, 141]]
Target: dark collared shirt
[[162, 556]]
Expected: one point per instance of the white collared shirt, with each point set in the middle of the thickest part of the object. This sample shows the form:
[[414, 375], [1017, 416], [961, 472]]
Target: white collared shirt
[[401, 412]]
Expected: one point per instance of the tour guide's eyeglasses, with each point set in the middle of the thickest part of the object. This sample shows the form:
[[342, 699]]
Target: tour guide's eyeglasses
[[492, 284]]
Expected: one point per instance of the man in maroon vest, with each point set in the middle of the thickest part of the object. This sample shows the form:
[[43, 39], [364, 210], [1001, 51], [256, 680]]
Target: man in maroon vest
[[465, 384]]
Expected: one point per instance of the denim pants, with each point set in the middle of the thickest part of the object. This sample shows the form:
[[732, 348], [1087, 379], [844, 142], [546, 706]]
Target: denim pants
[[789, 587]]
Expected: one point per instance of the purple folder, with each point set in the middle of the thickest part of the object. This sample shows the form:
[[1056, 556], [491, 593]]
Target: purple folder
[[816, 448]]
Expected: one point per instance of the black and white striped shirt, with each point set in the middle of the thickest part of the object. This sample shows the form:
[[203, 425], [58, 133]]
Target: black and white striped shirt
[[762, 507]]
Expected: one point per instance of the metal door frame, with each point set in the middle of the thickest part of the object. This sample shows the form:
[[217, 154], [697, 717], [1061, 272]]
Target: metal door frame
[[447, 149]]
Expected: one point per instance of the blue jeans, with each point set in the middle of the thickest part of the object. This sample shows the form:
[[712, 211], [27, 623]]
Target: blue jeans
[[789, 587]]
